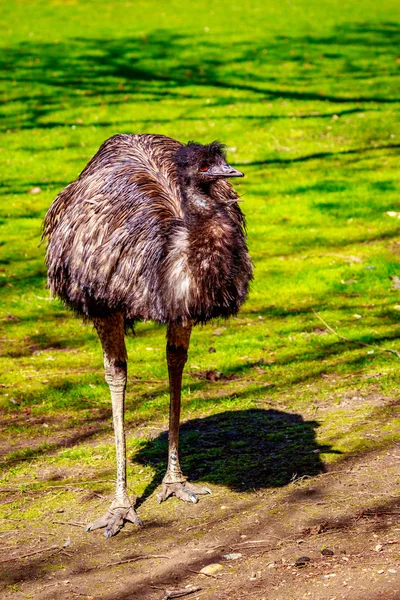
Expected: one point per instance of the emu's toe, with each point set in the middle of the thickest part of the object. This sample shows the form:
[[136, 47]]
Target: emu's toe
[[184, 491], [114, 520]]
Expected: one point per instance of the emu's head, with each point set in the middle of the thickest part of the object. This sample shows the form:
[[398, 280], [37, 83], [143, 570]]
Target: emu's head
[[200, 164]]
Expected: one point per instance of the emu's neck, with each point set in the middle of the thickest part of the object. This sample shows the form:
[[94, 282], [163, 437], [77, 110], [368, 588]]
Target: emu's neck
[[198, 200]]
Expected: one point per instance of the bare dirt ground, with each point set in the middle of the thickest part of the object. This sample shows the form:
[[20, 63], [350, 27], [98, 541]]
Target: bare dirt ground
[[346, 522]]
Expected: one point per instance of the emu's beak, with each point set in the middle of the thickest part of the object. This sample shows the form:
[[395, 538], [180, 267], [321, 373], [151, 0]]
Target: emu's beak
[[223, 171]]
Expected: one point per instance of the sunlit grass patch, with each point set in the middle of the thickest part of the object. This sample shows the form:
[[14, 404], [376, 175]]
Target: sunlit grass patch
[[306, 98]]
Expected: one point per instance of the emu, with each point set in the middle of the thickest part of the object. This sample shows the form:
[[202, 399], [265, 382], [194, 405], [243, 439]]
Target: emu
[[151, 229]]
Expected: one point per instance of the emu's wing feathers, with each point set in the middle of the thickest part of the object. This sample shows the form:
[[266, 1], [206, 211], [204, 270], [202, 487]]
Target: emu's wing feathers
[[107, 230]]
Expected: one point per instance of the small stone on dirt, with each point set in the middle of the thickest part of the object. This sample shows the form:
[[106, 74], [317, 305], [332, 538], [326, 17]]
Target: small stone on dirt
[[302, 561], [392, 571], [211, 568], [327, 552], [233, 556], [316, 529], [378, 548]]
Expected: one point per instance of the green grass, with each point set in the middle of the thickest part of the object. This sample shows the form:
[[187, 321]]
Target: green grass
[[306, 96]]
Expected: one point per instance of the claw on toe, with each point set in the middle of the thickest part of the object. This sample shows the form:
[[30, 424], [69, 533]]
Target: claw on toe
[[184, 491], [114, 520]]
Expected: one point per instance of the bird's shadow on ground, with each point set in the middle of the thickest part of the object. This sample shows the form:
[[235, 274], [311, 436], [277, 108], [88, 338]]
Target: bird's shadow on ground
[[244, 449]]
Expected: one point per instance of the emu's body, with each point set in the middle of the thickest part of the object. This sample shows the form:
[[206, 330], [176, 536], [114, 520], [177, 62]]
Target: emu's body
[[151, 229]]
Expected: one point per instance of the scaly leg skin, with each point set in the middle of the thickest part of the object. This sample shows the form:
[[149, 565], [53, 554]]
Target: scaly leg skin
[[174, 483], [111, 334]]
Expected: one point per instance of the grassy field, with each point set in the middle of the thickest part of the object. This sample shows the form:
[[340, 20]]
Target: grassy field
[[306, 95]]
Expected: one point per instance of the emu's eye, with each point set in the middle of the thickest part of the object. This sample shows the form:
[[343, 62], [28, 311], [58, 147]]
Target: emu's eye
[[204, 169]]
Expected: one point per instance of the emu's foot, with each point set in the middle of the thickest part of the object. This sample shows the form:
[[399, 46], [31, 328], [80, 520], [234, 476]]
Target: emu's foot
[[115, 518], [184, 491]]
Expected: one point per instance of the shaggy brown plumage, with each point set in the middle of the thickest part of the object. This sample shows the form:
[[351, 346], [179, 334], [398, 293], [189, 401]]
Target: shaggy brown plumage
[[151, 229], [130, 236]]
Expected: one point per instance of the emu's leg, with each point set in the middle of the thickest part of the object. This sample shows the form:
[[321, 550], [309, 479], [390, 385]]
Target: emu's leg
[[111, 334], [174, 483]]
